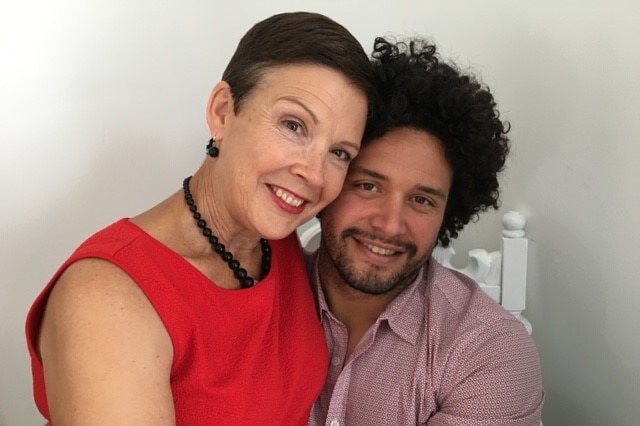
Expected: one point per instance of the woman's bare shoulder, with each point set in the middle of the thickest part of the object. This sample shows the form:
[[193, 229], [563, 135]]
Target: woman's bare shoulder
[[99, 283], [105, 351]]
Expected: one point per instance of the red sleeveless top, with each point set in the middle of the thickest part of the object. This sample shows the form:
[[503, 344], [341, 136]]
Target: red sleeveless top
[[241, 357]]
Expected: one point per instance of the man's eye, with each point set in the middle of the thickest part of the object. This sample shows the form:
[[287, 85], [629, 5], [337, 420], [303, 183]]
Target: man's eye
[[423, 200], [368, 186]]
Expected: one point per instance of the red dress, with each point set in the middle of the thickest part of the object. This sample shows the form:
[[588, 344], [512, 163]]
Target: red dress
[[241, 357]]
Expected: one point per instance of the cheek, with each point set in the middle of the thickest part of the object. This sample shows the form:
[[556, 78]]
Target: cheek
[[333, 182], [346, 211], [428, 230]]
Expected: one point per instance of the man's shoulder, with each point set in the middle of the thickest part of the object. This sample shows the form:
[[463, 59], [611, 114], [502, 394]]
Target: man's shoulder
[[457, 299], [463, 319]]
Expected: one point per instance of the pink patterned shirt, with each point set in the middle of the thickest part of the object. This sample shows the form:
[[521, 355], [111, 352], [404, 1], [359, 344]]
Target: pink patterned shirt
[[442, 353]]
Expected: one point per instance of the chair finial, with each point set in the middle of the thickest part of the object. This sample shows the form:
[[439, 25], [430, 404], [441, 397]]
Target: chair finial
[[513, 224]]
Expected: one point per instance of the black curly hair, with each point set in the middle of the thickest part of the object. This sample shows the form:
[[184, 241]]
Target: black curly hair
[[417, 90]]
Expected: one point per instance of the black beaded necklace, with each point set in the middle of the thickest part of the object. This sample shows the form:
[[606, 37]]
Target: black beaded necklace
[[238, 272]]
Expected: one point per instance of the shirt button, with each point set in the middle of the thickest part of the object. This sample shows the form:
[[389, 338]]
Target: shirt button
[[335, 423], [335, 361]]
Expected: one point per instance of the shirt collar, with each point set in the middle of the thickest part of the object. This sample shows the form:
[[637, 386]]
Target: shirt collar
[[405, 314], [314, 275]]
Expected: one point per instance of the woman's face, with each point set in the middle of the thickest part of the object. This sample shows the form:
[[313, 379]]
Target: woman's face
[[285, 154]]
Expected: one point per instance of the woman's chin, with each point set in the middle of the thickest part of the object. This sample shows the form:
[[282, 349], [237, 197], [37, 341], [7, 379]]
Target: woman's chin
[[275, 231]]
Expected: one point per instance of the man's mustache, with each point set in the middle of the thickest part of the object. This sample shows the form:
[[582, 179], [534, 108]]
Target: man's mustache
[[410, 248]]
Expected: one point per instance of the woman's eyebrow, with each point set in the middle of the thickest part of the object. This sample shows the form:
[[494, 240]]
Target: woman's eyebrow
[[302, 105]]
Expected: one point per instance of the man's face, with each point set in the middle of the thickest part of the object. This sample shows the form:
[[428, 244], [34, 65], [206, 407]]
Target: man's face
[[384, 225]]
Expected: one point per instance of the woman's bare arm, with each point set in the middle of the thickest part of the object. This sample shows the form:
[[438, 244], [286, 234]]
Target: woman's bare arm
[[106, 354]]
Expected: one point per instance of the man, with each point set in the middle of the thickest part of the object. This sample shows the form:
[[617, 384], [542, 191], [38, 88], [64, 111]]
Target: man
[[411, 342]]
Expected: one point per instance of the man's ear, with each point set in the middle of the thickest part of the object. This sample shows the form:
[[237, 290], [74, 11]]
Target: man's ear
[[219, 109]]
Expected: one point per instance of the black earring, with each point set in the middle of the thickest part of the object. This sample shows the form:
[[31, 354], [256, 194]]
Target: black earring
[[212, 149]]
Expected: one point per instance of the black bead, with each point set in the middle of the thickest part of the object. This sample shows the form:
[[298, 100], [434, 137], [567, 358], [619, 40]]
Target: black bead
[[240, 273], [219, 248], [234, 264], [264, 272], [227, 257], [213, 151], [246, 282]]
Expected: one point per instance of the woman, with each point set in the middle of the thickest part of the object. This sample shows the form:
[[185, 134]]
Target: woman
[[198, 311]]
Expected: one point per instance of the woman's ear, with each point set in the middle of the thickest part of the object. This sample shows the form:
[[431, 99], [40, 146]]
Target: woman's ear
[[219, 109]]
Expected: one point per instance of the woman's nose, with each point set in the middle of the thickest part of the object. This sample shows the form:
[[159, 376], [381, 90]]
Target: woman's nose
[[311, 166]]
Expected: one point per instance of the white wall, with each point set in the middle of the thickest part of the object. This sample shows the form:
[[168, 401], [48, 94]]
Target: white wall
[[102, 115]]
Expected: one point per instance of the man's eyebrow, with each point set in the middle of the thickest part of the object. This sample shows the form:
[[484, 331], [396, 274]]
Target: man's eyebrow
[[368, 172], [433, 191], [377, 175]]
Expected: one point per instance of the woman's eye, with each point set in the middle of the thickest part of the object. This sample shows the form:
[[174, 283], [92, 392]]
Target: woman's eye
[[292, 125], [343, 155]]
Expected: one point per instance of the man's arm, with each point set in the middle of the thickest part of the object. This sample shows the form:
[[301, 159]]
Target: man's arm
[[494, 379]]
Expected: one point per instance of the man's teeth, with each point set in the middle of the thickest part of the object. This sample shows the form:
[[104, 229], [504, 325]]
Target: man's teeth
[[380, 250], [295, 202]]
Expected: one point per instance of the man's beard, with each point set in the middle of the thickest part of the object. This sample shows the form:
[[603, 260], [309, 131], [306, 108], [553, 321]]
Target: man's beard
[[372, 280]]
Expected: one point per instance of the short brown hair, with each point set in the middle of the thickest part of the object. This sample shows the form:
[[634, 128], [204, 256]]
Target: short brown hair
[[296, 38]]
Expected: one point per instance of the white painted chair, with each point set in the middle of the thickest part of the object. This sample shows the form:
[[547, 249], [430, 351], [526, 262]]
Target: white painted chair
[[501, 274]]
